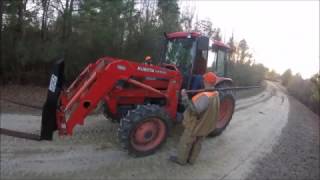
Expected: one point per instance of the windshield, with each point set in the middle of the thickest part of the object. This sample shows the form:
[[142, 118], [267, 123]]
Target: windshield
[[180, 52]]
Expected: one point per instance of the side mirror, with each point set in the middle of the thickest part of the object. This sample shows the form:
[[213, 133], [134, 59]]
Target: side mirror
[[203, 43]]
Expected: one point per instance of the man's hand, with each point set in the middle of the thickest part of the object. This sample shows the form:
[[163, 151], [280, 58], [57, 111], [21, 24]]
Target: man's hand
[[184, 93], [187, 102]]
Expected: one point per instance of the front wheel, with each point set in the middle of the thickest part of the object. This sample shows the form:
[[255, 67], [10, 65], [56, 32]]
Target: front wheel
[[143, 130]]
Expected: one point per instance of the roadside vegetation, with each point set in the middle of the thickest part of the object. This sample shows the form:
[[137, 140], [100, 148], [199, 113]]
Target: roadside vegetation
[[34, 33], [306, 91]]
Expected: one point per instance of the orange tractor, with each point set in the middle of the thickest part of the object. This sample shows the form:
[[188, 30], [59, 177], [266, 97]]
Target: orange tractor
[[143, 97]]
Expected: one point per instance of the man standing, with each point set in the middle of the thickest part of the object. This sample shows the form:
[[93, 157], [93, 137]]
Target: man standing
[[199, 120]]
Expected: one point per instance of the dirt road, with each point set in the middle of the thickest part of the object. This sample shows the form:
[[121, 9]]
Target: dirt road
[[93, 152]]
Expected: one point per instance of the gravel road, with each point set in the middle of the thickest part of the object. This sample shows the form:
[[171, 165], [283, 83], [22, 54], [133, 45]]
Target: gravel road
[[249, 148]]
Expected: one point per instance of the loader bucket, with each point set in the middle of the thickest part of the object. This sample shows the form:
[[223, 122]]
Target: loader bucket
[[48, 122]]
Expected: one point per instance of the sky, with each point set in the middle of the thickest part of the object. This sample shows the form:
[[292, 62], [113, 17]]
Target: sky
[[281, 34]]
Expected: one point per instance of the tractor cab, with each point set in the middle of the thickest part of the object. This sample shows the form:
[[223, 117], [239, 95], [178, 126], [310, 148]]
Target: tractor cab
[[191, 54]]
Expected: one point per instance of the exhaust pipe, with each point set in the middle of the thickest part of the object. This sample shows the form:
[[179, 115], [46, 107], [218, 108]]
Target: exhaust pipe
[[49, 110]]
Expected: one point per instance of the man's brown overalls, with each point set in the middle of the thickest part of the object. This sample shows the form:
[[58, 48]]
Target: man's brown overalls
[[197, 127]]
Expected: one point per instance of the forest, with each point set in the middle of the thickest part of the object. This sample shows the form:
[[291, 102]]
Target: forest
[[35, 33]]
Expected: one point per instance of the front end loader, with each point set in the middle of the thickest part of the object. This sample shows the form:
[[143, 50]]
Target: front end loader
[[143, 97], [121, 85]]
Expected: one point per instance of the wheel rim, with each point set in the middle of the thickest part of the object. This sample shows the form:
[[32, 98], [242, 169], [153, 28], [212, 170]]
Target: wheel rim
[[225, 112], [148, 134]]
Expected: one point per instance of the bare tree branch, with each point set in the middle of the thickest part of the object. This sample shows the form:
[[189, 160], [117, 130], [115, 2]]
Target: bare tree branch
[[56, 8]]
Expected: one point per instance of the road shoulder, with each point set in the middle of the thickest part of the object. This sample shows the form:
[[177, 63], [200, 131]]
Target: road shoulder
[[296, 156]]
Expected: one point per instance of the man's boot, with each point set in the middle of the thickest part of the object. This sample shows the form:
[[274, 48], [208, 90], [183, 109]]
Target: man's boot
[[175, 160]]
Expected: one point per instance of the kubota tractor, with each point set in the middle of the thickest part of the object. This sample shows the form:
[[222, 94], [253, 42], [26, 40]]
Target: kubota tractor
[[143, 97]]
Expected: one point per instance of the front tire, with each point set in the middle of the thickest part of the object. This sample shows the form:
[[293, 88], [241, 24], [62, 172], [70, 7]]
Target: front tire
[[144, 129]]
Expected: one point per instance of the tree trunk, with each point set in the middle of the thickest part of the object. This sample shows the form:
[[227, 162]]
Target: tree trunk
[[70, 18], [44, 20], [64, 25], [67, 20], [1, 12], [67, 26], [19, 25], [19, 35]]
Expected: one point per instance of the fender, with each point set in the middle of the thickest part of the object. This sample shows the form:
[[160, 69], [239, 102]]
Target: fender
[[221, 80]]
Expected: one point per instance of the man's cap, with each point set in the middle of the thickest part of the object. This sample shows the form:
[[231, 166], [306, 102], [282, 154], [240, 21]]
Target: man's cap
[[210, 78]]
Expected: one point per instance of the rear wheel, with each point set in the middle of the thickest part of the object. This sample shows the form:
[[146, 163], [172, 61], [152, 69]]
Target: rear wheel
[[143, 130], [227, 105]]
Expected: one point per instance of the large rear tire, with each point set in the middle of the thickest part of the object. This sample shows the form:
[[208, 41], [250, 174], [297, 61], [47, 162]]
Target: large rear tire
[[227, 104], [143, 130]]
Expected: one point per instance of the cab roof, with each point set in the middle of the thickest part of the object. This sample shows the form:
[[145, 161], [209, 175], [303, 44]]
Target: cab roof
[[193, 35], [182, 35], [220, 44]]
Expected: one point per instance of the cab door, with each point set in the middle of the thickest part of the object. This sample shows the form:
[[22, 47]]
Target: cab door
[[217, 61]]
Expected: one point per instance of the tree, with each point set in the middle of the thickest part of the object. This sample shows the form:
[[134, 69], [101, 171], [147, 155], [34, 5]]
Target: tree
[[242, 67], [315, 88], [44, 19], [187, 19], [205, 28], [243, 48], [233, 48], [286, 77], [217, 34], [168, 13], [272, 75], [1, 14]]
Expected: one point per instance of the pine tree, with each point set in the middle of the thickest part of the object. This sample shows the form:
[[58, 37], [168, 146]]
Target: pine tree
[[169, 12]]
